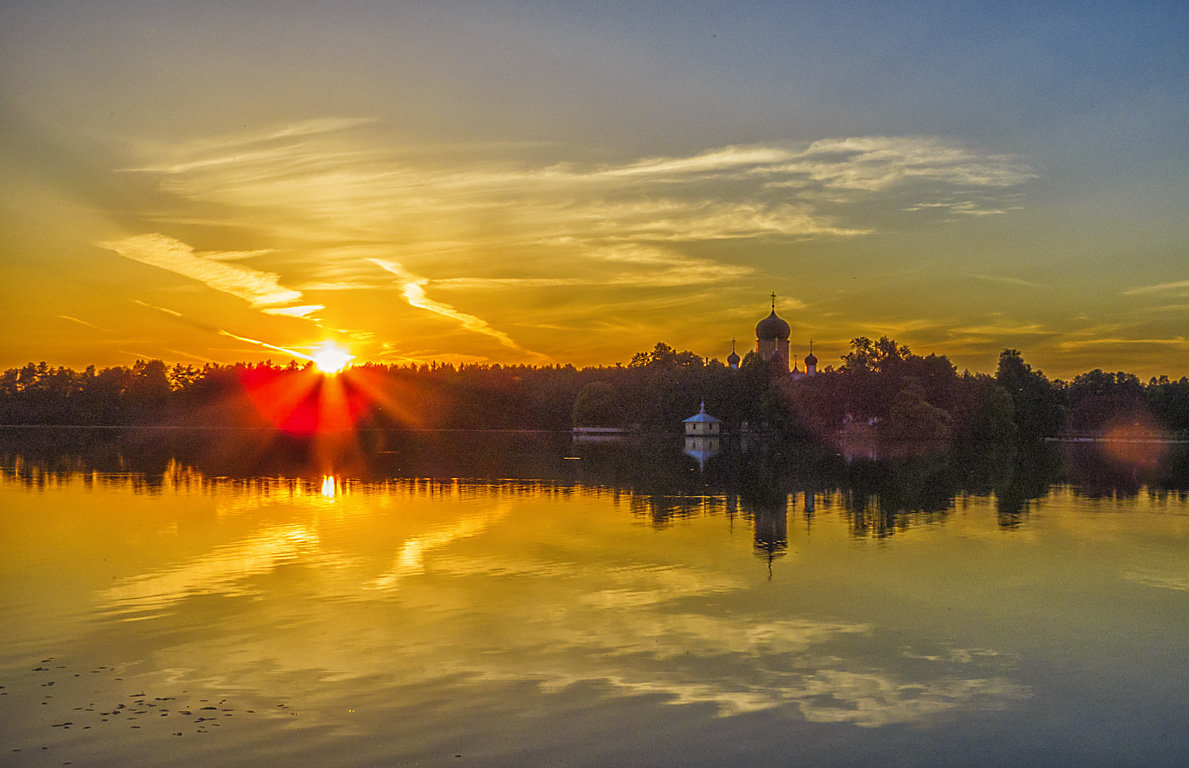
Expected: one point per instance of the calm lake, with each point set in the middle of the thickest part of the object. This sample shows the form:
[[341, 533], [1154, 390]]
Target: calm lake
[[521, 600]]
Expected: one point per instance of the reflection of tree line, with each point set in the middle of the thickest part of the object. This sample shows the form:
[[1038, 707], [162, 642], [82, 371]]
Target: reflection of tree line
[[761, 482], [767, 481]]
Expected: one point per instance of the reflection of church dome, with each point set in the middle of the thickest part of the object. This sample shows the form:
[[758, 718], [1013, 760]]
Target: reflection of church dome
[[772, 328]]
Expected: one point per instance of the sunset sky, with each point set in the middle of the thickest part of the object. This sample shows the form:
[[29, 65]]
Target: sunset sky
[[572, 182]]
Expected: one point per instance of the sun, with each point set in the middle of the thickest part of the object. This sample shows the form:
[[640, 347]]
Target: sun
[[330, 358]]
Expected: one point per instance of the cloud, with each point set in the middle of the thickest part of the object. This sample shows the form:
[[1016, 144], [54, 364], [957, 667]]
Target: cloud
[[714, 161], [1180, 285], [877, 163], [625, 264], [959, 208], [210, 328], [1179, 342], [302, 311], [260, 289], [264, 344], [1167, 308], [339, 194], [1006, 329], [732, 192], [413, 290], [192, 356], [1008, 280], [81, 322], [164, 310]]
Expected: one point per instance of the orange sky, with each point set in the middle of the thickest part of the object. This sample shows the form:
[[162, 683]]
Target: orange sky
[[502, 183]]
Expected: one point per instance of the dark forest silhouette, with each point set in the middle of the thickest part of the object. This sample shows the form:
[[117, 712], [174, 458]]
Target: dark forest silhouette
[[880, 390]]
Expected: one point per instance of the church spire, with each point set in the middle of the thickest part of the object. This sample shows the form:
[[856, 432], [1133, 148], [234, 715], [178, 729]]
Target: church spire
[[733, 358]]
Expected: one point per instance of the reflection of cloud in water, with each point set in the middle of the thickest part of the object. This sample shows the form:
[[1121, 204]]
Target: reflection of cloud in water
[[222, 571], [868, 699], [747, 668], [511, 611], [626, 634], [873, 699], [410, 559], [1159, 580], [661, 584]]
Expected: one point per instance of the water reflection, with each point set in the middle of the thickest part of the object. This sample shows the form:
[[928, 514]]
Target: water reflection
[[668, 481], [329, 487], [521, 604], [493, 593]]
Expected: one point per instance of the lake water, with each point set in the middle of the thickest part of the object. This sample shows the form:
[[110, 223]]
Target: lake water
[[518, 600]]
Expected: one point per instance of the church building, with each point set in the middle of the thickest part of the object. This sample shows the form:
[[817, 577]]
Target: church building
[[772, 345], [772, 339]]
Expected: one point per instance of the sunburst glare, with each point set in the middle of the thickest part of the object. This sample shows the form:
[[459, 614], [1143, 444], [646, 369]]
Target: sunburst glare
[[330, 358]]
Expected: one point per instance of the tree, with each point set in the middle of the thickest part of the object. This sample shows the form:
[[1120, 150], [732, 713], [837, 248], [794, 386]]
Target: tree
[[1035, 400], [912, 417], [598, 405], [1097, 398]]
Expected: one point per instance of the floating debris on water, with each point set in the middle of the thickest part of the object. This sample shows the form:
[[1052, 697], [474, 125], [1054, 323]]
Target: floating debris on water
[[104, 702]]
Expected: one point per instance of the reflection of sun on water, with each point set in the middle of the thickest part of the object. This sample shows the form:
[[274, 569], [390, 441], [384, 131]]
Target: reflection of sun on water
[[330, 358], [329, 487]]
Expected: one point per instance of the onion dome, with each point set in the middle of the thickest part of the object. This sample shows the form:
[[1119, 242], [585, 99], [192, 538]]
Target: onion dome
[[810, 360], [733, 358], [772, 328]]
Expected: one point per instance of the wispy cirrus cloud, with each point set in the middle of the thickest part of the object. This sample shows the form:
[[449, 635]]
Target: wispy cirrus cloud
[[413, 290], [469, 219], [876, 163], [1006, 329], [219, 331], [958, 208], [258, 288], [1178, 342], [1178, 286], [300, 311], [73, 319], [1008, 280], [732, 192]]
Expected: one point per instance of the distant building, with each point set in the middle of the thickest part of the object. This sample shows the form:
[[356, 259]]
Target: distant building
[[702, 436], [702, 424], [733, 358], [772, 339], [772, 345], [810, 361]]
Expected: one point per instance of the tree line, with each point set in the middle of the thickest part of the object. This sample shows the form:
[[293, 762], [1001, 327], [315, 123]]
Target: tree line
[[879, 387]]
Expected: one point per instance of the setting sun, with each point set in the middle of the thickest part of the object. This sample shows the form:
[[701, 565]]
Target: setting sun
[[330, 358]]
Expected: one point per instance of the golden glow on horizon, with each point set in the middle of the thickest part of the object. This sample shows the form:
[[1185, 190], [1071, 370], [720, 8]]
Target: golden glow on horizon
[[412, 228], [329, 488], [330, 358]]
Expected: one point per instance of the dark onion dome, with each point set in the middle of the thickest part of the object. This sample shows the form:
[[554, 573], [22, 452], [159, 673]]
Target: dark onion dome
[[810, 360], [732, 359], [772, 328]]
